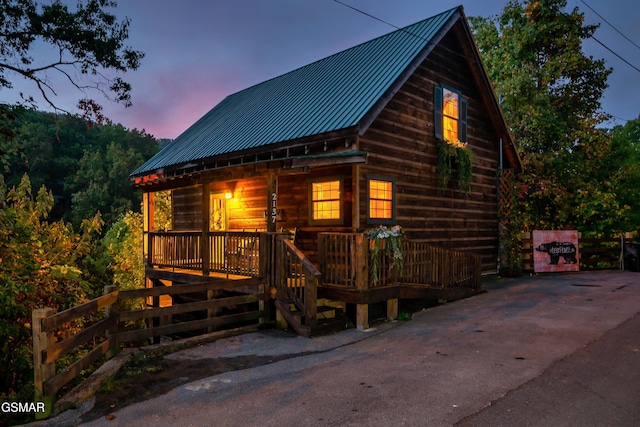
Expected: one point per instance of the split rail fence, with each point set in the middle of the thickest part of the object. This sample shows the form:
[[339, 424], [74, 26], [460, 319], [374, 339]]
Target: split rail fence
[[111, 326]]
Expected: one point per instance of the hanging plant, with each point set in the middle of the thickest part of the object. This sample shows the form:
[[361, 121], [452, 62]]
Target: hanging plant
[[460, 153], [388, 241]]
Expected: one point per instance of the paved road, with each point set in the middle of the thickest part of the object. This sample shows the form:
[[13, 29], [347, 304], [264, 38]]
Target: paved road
[[535, 351], [599, 385]]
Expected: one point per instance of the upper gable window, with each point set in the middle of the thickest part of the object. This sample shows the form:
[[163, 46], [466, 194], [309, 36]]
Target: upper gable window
[[450, 114]]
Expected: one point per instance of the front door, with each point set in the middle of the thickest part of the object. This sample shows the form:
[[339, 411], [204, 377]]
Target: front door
[[218, 209], [218, 222]]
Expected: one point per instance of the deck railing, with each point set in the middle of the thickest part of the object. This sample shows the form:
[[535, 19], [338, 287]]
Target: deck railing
[[176, 249], [344, 259], [228, 252], [439, 267], [296, 280], [341, 258]]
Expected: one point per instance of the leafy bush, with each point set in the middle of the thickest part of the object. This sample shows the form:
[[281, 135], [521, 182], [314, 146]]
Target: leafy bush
[[39, 267]]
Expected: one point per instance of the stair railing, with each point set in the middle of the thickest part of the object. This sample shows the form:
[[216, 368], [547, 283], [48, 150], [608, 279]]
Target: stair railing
[[297, 280]]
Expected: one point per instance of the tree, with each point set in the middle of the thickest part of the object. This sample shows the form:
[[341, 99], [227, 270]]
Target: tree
[[101, 182], [86, 169], [86, 41], [551, 95], [624, 166], [39, 267]]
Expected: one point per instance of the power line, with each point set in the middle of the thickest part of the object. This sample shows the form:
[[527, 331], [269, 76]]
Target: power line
[[614, 118], [568, 18], [370, 16], [404, 30], [557, 10], [610, 24]]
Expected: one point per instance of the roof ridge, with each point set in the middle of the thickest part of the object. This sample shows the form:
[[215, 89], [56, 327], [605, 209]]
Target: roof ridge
[[359, 45]]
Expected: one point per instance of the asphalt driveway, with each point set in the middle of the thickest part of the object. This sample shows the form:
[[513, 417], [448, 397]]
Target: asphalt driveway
[[450, 364]]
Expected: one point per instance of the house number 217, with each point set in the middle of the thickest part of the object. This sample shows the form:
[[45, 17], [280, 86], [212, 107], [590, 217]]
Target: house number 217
[[274, 212]]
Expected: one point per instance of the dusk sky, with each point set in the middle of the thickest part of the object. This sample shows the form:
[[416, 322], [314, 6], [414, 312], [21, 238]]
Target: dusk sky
[[198, 51]]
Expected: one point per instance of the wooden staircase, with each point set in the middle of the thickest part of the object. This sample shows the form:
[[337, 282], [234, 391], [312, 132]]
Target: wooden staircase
[[328, 319], [296, 297]]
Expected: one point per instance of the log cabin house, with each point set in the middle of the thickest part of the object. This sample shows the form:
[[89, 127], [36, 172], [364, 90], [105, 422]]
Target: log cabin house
[[272, 190]]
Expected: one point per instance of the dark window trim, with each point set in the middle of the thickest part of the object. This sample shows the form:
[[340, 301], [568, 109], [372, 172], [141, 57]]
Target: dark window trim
[[394, 197], [438, 112], [339, 221]]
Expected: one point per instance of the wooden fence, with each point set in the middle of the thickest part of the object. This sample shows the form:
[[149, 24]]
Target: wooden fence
[[101, 337], [115, 326], [594, 254]]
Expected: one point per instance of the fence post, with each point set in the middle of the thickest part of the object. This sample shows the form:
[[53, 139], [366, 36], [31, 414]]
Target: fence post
[[42, 371], [112, 310]]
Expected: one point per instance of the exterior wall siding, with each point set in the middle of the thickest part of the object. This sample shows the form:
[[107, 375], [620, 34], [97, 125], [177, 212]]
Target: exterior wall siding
[[402, 146], [186, 204]]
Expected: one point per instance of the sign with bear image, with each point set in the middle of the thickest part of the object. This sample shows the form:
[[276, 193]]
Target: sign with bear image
[[555, 251]]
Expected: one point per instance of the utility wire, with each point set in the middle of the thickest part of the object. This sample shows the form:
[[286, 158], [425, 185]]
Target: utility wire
[[568, 18], [404, 30], [559, 11], [610, 24], [370, 16]]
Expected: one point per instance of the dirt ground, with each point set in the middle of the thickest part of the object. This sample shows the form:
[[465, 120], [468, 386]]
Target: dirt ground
[[150, 375]]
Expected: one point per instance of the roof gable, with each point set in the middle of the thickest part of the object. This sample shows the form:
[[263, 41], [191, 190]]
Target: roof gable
[[335, 93]]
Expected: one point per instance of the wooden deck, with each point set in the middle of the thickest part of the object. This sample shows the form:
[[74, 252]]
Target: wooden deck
[[270, 261]]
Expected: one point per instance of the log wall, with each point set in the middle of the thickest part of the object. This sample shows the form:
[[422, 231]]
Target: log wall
[[402, 145], [186, 205]]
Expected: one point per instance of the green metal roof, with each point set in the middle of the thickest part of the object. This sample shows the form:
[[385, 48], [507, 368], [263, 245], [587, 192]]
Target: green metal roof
[[328, 95]]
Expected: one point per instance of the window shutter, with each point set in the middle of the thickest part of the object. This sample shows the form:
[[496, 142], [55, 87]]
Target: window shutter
[[462, 124], [437, 111]]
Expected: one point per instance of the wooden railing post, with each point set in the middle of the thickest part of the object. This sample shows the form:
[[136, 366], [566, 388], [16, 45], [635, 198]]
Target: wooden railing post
[[362, 279], [280, 267], [150, 251], [42, 371], [322, 253], [362, 262], [263, 255], [204, 242], [310, 299], [109, 311]]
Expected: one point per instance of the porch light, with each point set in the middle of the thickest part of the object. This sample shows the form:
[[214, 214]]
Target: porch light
[[228, 195]]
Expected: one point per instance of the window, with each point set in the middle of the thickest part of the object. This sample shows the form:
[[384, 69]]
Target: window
[[381, 201], [326, 206], [450, 114]]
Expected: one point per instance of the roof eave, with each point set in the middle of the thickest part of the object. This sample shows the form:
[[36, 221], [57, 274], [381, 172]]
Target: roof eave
[[276, 152]]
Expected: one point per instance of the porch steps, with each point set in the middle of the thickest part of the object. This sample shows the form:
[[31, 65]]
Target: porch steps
[[329, 319]]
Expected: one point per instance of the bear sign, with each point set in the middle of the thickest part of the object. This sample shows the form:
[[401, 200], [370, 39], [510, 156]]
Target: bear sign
[[555, 251]]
